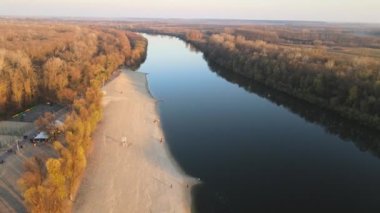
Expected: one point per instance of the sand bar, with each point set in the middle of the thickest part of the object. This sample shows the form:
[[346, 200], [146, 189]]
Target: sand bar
[[130, 170]]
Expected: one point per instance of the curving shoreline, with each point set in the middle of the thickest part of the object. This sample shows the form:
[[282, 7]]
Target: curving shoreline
[[138, 175]]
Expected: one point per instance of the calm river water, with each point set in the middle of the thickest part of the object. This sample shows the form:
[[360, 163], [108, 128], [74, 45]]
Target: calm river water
[[254, 149]]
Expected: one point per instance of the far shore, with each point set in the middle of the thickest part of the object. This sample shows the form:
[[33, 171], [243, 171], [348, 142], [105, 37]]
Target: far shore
[[130, 168]]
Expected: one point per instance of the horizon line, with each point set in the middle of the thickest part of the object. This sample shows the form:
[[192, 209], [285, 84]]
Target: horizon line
[[79, 18]]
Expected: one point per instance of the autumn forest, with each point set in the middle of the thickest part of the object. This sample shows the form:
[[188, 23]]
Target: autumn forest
[[58, 62]]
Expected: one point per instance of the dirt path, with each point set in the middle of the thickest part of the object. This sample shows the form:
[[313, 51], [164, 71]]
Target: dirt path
[[130, 170]]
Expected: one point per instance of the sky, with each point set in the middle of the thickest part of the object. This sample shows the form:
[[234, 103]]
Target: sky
[[307, 10]]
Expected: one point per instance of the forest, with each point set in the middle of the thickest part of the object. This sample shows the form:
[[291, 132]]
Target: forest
[[66, 63], [57, 62], [335, 67]]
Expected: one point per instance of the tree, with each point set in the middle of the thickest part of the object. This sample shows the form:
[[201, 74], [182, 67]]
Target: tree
[[194, 35], [34, 173], [47, 123], [353, 94], [54, 75]]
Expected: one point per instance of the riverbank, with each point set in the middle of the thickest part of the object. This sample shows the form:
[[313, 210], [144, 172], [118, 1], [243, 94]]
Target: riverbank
[[130, 169]]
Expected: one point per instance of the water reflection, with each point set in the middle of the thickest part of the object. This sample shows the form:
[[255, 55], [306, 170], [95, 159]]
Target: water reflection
[[209, 198], [192, 48], [364, 138]]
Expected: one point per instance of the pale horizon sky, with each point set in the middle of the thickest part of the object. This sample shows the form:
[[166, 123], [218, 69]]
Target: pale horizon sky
[[306, 10]]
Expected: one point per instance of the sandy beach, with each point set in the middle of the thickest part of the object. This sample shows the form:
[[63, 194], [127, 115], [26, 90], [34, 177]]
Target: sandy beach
[[130, 169]]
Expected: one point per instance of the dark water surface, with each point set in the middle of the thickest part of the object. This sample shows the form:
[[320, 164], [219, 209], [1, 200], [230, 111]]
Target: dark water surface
[[257, 150]]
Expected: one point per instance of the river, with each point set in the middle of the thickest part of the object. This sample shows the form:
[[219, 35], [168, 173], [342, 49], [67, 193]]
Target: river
[[255, 149]]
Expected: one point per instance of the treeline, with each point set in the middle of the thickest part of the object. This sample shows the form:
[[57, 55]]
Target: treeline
[[56, 62], [139, 45], [323, 35], [348, 84], [67, 64], [50, 185]]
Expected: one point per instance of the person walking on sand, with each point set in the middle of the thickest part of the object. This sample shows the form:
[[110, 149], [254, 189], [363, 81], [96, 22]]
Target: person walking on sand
[[124, 141]]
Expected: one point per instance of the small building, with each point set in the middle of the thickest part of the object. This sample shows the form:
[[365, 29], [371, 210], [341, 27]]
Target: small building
[[41, 137]]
